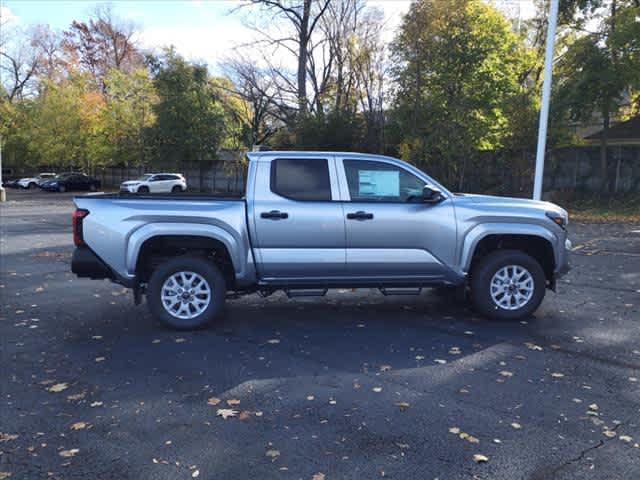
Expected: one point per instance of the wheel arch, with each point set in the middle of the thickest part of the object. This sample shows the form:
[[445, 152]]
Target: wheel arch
[[534, 240], [168, 240]]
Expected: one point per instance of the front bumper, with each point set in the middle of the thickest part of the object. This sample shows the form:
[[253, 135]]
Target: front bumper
[[564, 266]]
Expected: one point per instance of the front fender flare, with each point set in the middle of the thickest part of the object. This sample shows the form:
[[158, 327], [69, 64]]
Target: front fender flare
[[477, 233]]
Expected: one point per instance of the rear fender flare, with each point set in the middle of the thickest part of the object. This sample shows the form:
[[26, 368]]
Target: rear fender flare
[[137, 239]]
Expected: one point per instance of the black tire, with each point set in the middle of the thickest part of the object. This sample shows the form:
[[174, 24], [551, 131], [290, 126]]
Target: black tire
[[203, 267], [483, 273], [143, 189], [62, 188], [93, 187], [176, 189], [32, 185]]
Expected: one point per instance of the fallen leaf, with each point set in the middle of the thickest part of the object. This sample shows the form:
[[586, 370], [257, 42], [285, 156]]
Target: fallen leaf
[[100, 359], [258, 414], [557, 375], [455, 351], [226, 413], [403, 405], [76, 396], [273, 341], [440, 361], [244, 415], [385, 368], [419, 357], [69, 453], [213, 401], [402, 446], [506, 373], [625, 438], [454, 430], [472, 439], [594, 407], [318, 476], [478, 458], [6, 437], [609, 433], [310, 397], [58, 387], [195, 474], [79, 426], [516, 425], [4, 475], [232, 402], [272, 454], [377, 389], [533, 346]]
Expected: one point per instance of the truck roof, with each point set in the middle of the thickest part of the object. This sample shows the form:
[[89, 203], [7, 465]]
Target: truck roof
[[292, 154]]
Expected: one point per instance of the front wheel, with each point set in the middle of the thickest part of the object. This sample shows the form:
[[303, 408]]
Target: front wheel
[[507, 284], [186, 292], [176, 189], [62, 188]]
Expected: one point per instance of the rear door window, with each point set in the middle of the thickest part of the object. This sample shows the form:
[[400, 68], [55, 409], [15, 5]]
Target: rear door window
[[301, 179]]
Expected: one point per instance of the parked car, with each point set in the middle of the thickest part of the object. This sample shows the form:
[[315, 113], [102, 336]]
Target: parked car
[[71, 181], [156, 183], [312, 221], [10, 183], [38, 180]]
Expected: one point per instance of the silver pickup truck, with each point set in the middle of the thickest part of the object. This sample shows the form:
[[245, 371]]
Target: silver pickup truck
[[311, 221]]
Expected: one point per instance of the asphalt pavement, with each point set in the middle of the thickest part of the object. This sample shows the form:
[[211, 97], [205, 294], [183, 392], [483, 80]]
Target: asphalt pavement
[[354, 385]]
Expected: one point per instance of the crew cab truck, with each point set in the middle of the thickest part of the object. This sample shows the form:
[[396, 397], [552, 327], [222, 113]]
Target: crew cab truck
[[310, 221]]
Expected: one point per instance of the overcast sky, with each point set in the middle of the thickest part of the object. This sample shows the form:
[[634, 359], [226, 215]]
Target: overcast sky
[[201, 30]]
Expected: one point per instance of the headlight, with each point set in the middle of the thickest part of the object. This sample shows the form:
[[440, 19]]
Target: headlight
[[558, 218]]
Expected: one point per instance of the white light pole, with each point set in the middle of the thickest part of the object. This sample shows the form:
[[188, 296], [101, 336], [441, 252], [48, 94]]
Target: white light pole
[[546, 98]]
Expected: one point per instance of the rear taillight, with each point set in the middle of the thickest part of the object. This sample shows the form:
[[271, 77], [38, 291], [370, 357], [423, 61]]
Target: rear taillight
[[76, 219]]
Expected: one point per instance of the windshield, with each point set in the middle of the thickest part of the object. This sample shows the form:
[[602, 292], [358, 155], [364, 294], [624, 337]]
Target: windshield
[[144, 177], [62, 176]]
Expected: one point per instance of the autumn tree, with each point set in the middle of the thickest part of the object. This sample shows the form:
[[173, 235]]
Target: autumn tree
[[103, 43]]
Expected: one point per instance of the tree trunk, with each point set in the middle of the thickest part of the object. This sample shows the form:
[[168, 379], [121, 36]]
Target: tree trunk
[[302, 59], [604, 139]]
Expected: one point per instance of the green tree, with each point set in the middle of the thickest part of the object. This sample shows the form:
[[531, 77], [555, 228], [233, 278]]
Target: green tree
[[128, 114], [600, 71], [189, 115], [459, 70]]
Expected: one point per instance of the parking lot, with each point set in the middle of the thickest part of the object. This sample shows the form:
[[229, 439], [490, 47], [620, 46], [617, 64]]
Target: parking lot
[[354, 385]]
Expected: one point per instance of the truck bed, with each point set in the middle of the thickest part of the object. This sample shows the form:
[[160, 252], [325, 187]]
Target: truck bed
[[191, 196]]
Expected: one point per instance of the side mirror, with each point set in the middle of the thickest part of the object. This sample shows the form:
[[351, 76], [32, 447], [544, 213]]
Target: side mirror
[[431, 195]]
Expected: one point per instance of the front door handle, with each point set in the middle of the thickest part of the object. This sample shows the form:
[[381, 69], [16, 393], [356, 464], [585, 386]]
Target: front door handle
[[274, 215], [360, 215]]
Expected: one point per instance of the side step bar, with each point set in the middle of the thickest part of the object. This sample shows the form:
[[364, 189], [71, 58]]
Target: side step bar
[[400, 291], [306, 292]]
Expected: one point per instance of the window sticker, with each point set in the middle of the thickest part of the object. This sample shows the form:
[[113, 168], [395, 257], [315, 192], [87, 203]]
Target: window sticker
[[379, 183]]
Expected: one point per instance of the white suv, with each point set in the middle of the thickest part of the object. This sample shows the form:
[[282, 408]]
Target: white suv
[[33, 182], [156, 183]]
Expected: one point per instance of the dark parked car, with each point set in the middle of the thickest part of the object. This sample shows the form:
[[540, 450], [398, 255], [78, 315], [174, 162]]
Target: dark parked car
[[71, 181]]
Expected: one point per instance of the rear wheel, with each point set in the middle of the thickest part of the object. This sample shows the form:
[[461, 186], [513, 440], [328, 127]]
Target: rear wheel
[[143, 190], [62, 188], [176, 189], [92, 187], [186, 292], [32, 185], [507, 284]]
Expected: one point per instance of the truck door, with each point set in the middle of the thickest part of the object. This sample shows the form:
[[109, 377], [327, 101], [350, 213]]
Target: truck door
[[299, 228], [390, 232]]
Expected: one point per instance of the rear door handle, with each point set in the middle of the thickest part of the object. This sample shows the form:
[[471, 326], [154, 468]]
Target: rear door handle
[[360, 215], [274, 215]]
